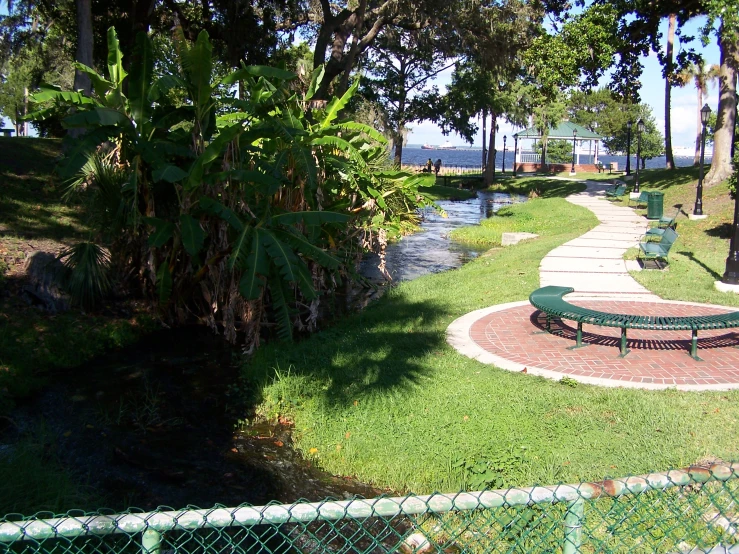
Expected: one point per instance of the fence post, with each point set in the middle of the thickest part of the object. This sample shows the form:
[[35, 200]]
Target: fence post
[[151, 542], [573, 526]]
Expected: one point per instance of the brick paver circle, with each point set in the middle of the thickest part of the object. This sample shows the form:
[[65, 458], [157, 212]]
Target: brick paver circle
[[658, 359]]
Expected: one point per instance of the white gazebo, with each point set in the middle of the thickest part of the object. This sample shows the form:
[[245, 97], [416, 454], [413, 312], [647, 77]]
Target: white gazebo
[[585, 146]]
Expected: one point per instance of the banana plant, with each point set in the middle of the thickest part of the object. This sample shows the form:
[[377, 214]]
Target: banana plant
[[235, 208]]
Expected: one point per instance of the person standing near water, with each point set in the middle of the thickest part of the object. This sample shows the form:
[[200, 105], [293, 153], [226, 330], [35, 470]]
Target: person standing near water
[[437, 166], [429, 164]]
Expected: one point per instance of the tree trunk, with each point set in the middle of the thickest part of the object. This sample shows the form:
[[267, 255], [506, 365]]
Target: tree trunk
[[484, 137], [84, 44], [697, 156], [398, 144], [490, 165], [721, 167], [669, 160]]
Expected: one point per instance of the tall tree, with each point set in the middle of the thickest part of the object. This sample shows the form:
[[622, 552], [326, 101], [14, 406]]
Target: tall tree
[[399, 66], [701, 76], [85, 44], [672, 21], [721, 164]]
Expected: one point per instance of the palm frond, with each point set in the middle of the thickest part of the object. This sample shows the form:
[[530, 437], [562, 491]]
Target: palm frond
[[87, 278]]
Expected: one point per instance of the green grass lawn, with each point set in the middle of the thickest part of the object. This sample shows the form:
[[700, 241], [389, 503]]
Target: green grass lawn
[[384, 398]]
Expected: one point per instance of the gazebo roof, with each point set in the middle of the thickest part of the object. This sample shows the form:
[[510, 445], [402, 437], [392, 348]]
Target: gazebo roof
[[563, 131]]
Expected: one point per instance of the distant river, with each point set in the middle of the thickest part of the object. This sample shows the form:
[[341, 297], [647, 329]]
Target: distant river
[[417, 156]]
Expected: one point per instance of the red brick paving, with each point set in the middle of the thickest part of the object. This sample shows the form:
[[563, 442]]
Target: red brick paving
[[656, 357]]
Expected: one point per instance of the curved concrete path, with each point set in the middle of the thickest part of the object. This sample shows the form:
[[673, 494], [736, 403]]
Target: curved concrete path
[[593, 263], [510, 336]]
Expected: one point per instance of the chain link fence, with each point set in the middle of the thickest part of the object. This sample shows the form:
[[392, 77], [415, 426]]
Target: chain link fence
[[679, 511]]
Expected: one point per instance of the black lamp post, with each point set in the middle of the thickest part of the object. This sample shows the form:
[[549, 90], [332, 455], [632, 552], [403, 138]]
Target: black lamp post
[[574, 143], [515, 153], [639, 131], [504, 149], [698, 209], [628, 147], [731, 275]]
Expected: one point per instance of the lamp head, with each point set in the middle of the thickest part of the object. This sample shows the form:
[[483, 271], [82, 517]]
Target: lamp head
[[640, 125], [574, 132], [705, 112], [629, 124]]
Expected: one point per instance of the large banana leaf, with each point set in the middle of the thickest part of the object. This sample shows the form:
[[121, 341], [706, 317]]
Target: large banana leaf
[[305, 282], [282, 256], [255, 267], [198, 64], [241, 248], [214, 207], [100, 84], [99, 117], [193, 236], [115, 59], [53, 92], [168, 173], [212, 153], [251, 71], [308, 249], [315, 78], [163, 231], [361, 128], [281, 308], [338, 104], [142, 71]]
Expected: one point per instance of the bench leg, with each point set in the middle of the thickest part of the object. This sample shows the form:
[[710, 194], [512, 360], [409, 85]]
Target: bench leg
[[547, 329], [578, 338], [624, 350], [694, 346]]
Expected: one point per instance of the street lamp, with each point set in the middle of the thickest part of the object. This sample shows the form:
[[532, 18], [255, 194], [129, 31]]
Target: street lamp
[[628, 147], [515, 152], [504, 149], [698, 209], [640, 130], [574, 142]]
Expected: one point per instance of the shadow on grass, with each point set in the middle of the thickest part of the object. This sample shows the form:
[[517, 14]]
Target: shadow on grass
[[30, 196], [544, 187], [707, 269], [661, 179], [380, 350], [721, 231]]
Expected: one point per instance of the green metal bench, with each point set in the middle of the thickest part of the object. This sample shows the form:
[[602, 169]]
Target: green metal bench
[[616, 191], [550, 301], [642, 199], [657, 250], [664, 223]]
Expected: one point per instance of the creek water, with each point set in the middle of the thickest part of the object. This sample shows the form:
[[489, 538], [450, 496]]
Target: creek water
[[431, 250], [159, 422]]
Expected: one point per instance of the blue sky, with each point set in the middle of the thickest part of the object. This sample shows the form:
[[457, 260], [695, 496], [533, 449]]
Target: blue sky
[[683, 101]]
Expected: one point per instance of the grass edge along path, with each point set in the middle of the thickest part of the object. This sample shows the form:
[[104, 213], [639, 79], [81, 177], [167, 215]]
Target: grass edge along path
[[385, 399]]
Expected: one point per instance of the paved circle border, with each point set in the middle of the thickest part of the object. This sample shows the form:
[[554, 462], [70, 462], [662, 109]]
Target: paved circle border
[[458, 336]]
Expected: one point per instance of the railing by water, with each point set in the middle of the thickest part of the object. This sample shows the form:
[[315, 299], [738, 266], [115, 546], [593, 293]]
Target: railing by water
[[690, 510], [446, 169]]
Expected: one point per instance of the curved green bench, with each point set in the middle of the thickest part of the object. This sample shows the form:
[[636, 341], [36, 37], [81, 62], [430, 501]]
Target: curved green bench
[[550, 301]]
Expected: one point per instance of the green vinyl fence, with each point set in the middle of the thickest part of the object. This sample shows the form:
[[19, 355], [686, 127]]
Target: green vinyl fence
[[691, 510]]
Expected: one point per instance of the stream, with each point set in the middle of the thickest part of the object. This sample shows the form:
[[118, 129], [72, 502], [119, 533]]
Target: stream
[[430, 250], [158, 423]]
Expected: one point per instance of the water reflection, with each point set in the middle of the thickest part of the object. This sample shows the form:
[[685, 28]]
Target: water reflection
[[430, 250]]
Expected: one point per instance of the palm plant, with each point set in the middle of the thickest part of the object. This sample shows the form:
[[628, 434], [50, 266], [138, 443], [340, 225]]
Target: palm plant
[[231, 210], [702, 76]]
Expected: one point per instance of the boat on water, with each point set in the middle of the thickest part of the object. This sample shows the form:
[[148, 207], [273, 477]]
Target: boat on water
[[447, 146], [428, 147]]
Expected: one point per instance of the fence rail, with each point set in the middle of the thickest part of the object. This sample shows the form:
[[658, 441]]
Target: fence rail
[[451, 169], [690, 510]]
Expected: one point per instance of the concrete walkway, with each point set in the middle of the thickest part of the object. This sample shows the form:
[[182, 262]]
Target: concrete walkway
[[593, 263], [510, 336]]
